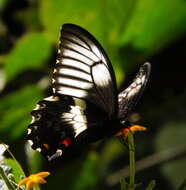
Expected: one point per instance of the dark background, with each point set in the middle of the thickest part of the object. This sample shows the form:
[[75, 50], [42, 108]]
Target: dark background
[[131, 32]]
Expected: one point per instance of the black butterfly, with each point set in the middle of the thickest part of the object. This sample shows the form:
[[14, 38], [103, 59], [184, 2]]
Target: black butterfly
[[84, 106]]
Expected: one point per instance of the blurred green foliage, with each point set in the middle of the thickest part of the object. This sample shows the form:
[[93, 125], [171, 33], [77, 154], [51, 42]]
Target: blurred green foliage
[[33, 48], [130, 31], [172, 137], [14, 109]]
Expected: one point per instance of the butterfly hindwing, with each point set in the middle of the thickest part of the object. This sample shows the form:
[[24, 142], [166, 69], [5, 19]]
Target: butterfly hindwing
[[58, 121]]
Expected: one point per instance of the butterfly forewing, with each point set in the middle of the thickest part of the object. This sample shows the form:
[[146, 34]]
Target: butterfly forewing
[[83, 70], [129, 97]]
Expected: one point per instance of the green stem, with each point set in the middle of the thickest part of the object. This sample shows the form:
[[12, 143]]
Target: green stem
[[36, 187], [131, 160]]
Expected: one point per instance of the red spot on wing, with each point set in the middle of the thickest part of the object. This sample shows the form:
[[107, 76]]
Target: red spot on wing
[[66, 142]]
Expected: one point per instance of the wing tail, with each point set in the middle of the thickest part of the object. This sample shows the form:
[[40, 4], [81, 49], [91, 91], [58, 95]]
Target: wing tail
[[129, 97]]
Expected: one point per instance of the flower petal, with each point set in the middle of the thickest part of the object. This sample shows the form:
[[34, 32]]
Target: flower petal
[[137, 128], [23, 181], [33, 179], [40, 180], [29, 185], [123, 132], [43, 174]]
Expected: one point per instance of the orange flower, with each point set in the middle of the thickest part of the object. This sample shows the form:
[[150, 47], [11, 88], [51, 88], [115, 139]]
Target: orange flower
[[133, 128], [33, 179]]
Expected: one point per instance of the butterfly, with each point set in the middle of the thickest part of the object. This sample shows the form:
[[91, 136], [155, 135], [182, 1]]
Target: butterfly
[[84, 106]]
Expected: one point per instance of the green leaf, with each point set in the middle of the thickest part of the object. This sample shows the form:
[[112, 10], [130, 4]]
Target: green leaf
[[104, 25], [16, 168], [14, 111], [68, 12], [31, 51], [3, 3], [6, 180], [151, 27], [151, 185]]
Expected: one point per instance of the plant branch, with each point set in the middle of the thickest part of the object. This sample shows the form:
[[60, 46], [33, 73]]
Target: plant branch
[[149, 161]]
